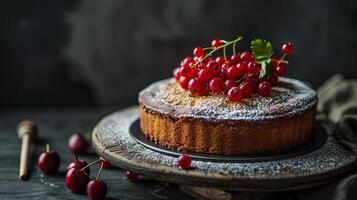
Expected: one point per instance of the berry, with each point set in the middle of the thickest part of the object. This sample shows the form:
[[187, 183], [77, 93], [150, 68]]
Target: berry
[[186, 71], [220, 60], [273, 79], [232, 72], [288, 48], [106, 164], [246, 56], [49, 161], [96, 189], [264, 89], [216, 43], [280, 70], [253, 68], [214, 68], [242, 68], [176, 74], [274, 62], [183, 81], [198, 51], [131, 176], [234, 94], [78, 165], [204, 74], [196, 86], [184, 161], [254, 83], [78, 144], [228, 84], [216, 85], [186, 62], [246, 88], [76, 180], [235, 59]]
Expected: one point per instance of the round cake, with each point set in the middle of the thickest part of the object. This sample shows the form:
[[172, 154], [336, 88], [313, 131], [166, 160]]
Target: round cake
[[212, 124]]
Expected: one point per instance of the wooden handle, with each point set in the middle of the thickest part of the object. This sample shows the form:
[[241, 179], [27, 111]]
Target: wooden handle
[[26, 131]]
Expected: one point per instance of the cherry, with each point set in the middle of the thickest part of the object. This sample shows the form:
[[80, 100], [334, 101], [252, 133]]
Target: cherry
[[198, 51], [228, 84], [131, 176], [186, 71], [214, 68], [196, 86], [235, 58], [264, 89], [106, 164], [96, 189], [76, 180], [287, 48], [176, 74], [253, 68], [183, 81], [220, 60], [186, 62], [280, 70], [216, 43], [78, 165], [246, 56], [49, 161], [78, 144], [216, 85], [184, 161], [204, 74], [235, 94], [246, 88]]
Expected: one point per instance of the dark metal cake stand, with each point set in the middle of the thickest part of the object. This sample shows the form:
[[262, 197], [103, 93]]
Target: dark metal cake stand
[[113, 141]]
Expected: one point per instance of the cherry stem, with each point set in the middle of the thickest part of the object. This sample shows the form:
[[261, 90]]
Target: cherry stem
[[100, 170], [218, 48], [90, 164], [47, 148], [75, 156]]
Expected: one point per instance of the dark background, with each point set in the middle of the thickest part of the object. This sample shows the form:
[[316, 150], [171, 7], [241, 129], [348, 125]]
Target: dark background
[[102, 53]]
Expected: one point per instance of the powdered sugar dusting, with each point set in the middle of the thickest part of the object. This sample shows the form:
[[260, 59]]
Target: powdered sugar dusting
[[290, 97], [113, 132]]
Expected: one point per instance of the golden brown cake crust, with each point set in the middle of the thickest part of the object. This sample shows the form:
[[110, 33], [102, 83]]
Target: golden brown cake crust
[[214, 125]]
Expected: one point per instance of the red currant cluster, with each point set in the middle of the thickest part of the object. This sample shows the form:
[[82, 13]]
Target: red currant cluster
[[239, 76]]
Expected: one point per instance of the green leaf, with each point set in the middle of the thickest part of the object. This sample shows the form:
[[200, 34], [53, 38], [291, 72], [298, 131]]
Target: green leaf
[[266, 70], [262, 50]]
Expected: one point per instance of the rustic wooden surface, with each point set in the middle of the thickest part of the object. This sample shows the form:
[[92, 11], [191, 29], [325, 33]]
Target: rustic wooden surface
[[55, 127]]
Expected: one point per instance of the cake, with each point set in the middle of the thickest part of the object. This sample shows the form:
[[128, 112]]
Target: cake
[[272, 115]]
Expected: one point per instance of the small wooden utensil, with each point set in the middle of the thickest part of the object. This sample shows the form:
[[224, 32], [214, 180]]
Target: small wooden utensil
[[27, 132]]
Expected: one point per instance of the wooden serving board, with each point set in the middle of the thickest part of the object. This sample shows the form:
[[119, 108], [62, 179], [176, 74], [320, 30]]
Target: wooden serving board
[[111, 140]]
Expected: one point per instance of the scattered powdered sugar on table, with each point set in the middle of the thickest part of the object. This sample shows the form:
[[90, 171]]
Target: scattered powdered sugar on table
[[113, 131], [290, 97]]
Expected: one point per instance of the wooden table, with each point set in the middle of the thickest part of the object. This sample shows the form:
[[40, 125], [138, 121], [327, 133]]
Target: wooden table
[[56, 125]]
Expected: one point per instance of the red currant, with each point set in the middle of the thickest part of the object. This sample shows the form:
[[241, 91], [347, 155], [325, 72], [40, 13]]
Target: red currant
[[235, 94], [185, 62], [204, 74], [233, 72], [186, 71], [246, 56], [131, 176], [196, 86], [235, 59], [242, 69], [273, 79], [184, 161], [214, 68], [220, 60], [280, 70], [216, 85], [78, 144], [198, 51], [264, 89], [183, 81], [254, 83], [246, 88], [49, 162], [228, 84], [288, 48], [216, 43], [96, 189], [274, 62], [76, 180], [176, 74]]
